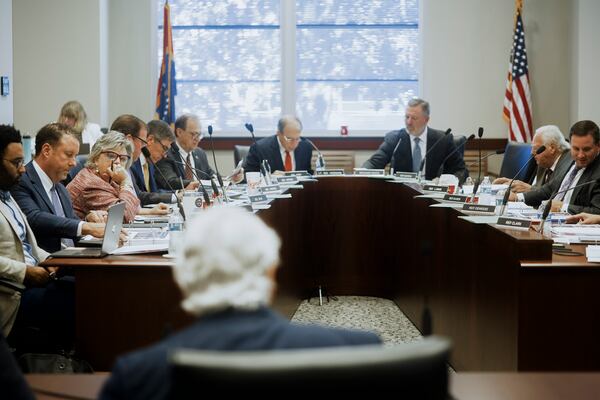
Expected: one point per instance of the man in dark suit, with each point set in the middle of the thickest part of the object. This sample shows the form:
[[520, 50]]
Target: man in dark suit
[[44, 199], [228, 281], [184, 151], [551, 162], [285, 151], [585, 147], [415, 142]]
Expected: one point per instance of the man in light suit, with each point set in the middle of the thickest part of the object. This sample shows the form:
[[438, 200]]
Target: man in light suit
[[285, 151], [44, 199], [414, 142], [184, 151], [44, 303], [551, 162], [227, 277]]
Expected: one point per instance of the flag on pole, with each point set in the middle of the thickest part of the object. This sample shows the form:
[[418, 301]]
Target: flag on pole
[[167, 87], [517, 98]]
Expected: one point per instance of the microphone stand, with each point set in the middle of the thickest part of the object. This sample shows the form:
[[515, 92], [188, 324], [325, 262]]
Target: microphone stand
[[429, 151], [393, 159], [195, 172], [476, 186], [463, 144], [263, 164], [320, 162], [212, 145]]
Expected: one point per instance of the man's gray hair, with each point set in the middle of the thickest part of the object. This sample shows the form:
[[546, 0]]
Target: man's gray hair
[[416, 102], [160, 130], [110, 141], [551, 134], [288, 120]]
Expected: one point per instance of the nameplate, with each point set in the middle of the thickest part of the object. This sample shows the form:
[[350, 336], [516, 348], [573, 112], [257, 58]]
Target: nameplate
[[514, 222], [270, 189], [435, 188], [287, 179], [331, 172], [297, 173], [407, 175], [369, 172], [480, 208], [258, 198], [457, 198]]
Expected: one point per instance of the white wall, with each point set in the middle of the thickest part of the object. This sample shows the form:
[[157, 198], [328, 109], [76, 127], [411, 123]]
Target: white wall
[[6, 60]]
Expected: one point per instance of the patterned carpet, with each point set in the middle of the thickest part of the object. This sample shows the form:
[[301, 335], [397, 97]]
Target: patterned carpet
[[374, 314]]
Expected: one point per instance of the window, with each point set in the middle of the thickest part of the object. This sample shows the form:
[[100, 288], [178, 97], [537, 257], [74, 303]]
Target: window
[[355, 62]]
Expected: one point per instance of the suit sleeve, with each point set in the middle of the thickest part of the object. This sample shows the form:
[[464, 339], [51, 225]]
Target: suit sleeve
[[534, 198], [592, 207], [169, 170], [205, 166], [43, 223], [383, 155], [252, 163]]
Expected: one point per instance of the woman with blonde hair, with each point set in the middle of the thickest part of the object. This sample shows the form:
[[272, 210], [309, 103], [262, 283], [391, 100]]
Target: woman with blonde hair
[[73, 114]]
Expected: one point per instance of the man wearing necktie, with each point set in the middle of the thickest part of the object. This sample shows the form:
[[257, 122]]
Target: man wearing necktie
[[44, 200], [43, 304], [550, 162], [585, 167]]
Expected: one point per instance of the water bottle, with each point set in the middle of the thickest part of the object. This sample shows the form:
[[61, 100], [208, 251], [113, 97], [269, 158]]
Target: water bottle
[[486, 186], [175, 230]]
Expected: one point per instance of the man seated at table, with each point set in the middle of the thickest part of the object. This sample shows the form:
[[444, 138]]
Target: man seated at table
[[550, 162], [226, 272], [416, 140], [585, 147], [44, 199], [285, 151]]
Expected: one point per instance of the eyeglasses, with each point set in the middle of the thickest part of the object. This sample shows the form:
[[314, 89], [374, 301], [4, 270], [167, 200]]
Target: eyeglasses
[[195, 135], [165, 148], [17, 162], [112, 156], [289, 139]]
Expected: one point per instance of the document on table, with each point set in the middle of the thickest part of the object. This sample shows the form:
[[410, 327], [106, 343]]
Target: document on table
[[480, 219]]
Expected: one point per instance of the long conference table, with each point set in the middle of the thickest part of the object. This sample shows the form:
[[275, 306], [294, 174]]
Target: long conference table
[[501, 295]]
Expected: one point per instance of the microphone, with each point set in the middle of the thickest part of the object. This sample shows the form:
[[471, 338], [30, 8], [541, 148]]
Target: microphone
[[493, 153], [433, 147], [195, 172], [146, 154], [479, 134], [263, 163], [463, 144], [320, 162], [540, 150], [556, 192], [393, 159], [212, 145]]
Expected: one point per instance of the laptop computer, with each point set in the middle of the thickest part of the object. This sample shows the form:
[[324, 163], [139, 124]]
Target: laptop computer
[[110, 242]]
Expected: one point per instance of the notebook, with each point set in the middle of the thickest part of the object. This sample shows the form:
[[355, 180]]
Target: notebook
[[110, 242]]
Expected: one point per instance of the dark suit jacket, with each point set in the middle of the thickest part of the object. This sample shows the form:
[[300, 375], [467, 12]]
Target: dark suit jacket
[[173, 170], [47, 227], [403, 160], [145, 374], [268, 149], [147, 197], [584, 199], [564, 161]]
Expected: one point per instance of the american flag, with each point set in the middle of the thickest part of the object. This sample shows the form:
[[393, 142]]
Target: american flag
[[517, 99], [167, 88]]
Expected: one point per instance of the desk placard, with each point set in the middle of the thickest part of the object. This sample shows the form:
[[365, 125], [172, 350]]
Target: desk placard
[[456, 198], [258, 198], [435, 188], [331, 172], [297, 173], [369, 172], [407, 175], [287, 179], [517, 223], [479, 208], [270, 189]]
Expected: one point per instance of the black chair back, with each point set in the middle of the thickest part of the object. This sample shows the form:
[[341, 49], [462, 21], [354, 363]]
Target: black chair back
[[515, 157], [239, 153], [458, 141]]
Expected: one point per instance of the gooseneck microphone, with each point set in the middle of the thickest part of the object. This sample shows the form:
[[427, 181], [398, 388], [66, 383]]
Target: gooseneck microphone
[[393, 159], [463, 144], [479, 134], [263, 163], [540, 150], [493, 153], [433, 147], [320, 163], [146, 154], [195, 172], [212, 146]]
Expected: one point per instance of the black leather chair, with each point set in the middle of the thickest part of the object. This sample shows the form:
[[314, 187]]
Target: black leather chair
[[239, 153], [413, 371], [515, 157], [458, 141]]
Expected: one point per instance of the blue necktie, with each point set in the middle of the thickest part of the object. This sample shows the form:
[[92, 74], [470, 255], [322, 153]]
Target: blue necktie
[[416, 155], [60, 212]]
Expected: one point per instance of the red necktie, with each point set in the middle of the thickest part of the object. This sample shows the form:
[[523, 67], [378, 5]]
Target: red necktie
[[288, 161]]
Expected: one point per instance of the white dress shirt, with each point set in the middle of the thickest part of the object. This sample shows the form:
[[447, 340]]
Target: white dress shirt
[[184, 155]]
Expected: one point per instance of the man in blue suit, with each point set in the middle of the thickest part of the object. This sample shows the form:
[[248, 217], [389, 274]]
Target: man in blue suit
[[227, 278], [285, 151], [43, 198]]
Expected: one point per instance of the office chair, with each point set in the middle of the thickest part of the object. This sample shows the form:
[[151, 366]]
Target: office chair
[[515, 156], [414, 370], [239, 153]]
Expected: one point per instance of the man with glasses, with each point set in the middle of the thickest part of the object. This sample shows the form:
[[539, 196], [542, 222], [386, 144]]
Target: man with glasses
[[44, 199], [185, 161], [285, 151]]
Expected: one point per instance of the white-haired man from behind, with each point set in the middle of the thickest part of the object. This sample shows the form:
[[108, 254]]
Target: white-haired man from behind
[[226, 272]]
